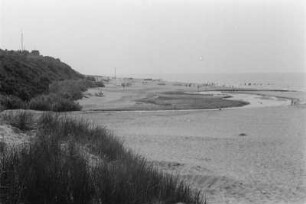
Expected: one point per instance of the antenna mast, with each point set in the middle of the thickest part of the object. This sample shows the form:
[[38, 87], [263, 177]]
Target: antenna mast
[[21, 41]]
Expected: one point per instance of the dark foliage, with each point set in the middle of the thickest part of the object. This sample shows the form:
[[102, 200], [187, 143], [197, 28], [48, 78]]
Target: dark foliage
[[11, 102], [53, 102], [29, 80], [26, 75], [69, 89]]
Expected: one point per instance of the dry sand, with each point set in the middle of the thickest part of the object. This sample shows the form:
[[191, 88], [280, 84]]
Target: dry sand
[[246, 155]]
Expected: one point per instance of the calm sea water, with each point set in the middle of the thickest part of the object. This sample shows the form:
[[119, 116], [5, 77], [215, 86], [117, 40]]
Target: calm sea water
[[288, 81]]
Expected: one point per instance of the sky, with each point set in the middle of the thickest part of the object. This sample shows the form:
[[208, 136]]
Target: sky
[[161, 36]]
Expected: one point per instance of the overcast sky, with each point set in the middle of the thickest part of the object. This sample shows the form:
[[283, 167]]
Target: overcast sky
[[161, 36]]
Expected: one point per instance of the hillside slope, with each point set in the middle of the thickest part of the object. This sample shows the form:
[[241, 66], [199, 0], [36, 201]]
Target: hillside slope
[[25, 74]]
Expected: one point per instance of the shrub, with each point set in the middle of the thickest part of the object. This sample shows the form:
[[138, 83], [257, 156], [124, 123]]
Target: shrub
[[69, 89], [53, 102], [63, 105], [11, 102], [26, 76], [91, 82], [43, 102], [99, 84]]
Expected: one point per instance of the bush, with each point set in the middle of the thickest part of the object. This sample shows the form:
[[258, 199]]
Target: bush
[[43, 102], [99, 84], [68, 89], [91, 82], [61, 97], [63, 105], [26, 76], [53, 102], [11, 102]]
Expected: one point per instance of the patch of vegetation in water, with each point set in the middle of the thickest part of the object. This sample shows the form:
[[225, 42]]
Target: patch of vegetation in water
[[181, 100]]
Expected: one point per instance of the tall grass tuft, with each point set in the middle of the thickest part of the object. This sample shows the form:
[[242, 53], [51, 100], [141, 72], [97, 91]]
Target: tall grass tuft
[[55, 169], [21, 119], [43, 173]]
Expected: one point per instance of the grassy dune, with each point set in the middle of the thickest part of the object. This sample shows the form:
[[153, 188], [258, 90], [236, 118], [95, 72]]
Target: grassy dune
[[73, 161]]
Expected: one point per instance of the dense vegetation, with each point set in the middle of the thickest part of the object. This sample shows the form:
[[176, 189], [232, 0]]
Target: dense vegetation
[[61, 96], [29, 80], [26, 75], [72, 161]]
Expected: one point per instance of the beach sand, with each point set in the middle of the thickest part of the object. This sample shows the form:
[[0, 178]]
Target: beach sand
[[253, 154]]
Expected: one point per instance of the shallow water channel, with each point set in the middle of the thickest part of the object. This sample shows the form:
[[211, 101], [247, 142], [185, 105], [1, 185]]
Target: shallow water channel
[[254, 100]]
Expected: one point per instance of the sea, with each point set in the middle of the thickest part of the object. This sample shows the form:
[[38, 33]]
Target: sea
[[283, 81]]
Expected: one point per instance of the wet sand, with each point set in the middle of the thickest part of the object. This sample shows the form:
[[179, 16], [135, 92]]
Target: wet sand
[[254, 100], [254, 154]]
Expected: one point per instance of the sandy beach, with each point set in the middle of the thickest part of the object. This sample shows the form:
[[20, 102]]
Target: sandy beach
[[254, 153], [153, 101]]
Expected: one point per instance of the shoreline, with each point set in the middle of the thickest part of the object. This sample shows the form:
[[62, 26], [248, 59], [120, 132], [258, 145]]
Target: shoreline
[[241, 155], [144, 95], [236, 155]]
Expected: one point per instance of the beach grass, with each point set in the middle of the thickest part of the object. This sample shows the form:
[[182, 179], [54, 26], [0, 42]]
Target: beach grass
[[22, 120], [74, 161]]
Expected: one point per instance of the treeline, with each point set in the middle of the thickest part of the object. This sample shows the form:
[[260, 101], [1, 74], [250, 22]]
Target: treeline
[[30, 80]]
